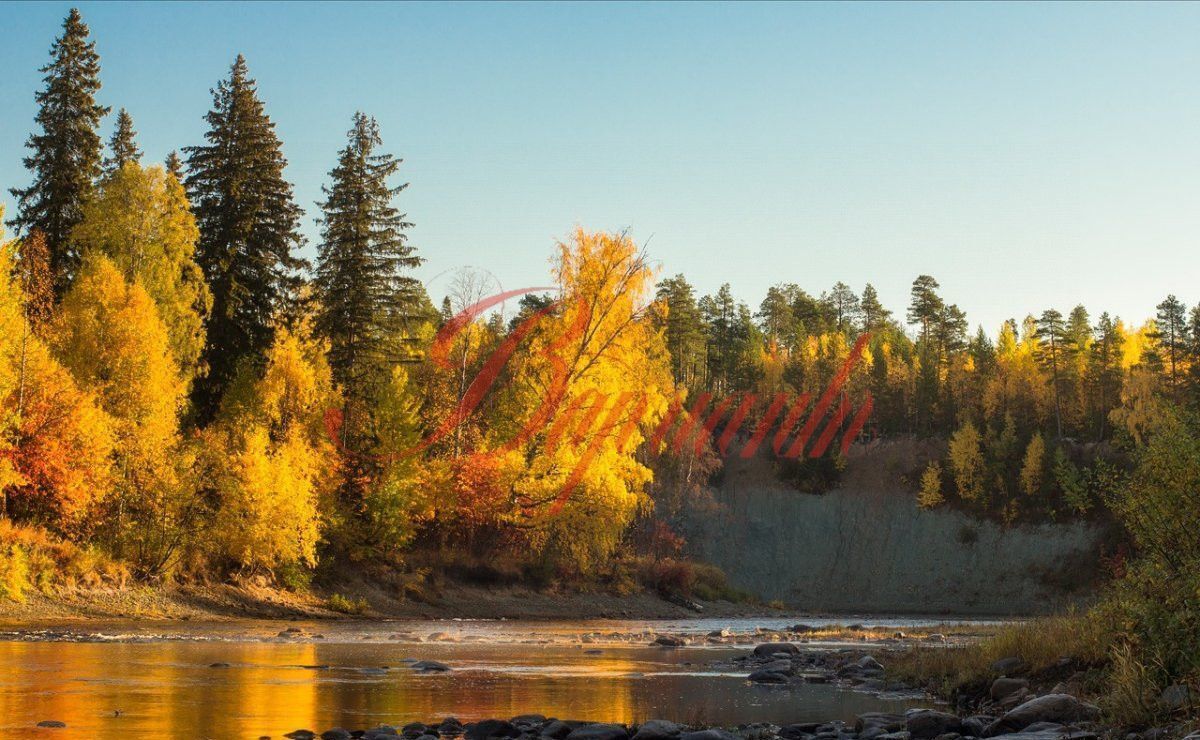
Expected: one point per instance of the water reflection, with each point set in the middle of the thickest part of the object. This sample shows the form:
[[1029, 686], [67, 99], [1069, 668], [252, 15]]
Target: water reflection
[[173, 689]]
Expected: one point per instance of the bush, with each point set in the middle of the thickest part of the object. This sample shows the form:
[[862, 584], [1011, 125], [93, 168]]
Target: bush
[[346, 605], [31, 558]]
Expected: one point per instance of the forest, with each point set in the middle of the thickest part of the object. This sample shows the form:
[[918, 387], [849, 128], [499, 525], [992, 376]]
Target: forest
[[185, 397]]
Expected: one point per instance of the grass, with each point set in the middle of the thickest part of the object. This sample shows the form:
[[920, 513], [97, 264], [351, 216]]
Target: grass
[[1040, 643]]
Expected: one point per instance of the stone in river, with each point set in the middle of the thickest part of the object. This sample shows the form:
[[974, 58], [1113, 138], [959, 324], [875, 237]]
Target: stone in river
[[767, 677], [489, 728], [430, 666], [413, 729], [599, 731], [927, 724], [657, 729], [712, 734], [301, 735], [670, 641], [336, 733], [1003, 687], [1060, 708], [887, 721], [768, 649], [51, 723]]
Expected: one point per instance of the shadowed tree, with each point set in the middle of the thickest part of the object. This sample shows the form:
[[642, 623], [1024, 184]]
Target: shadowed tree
[[65, 158], [249, 227], [367, 299]]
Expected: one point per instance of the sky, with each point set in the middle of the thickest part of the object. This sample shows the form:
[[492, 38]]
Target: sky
[[1027, 156]]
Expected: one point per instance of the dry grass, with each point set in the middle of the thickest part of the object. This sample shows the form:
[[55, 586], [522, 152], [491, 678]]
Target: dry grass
[[1040, 643], [33, 559]]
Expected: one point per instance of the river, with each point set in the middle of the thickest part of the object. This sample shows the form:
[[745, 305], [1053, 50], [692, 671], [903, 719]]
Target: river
[[253, 679]]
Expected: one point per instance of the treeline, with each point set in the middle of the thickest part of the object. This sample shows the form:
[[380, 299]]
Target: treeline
[[184, 394], [1030, 415]]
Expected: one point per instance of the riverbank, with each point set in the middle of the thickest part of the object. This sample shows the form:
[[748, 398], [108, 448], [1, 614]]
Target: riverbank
[[259, 601]]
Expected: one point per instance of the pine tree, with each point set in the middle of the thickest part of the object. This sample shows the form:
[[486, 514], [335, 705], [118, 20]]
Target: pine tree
[[875, 316], [1171, 336], [368, 303], [926, 307], [122, 147], [682, 330], [1104, 371], [249, 226], [174, 165], [65, 157], [846, 308], [1052, 353]]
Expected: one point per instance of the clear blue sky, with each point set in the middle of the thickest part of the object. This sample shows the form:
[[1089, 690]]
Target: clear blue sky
[[1025, 155]]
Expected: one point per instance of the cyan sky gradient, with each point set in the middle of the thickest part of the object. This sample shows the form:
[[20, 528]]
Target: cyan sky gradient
[[1026, 155]]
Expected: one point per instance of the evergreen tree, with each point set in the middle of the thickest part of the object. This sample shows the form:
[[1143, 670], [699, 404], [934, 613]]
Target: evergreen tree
[[1171, 337], [1052, 351], [846, 308], [683, 330], [926, 306], [65, 157], [875, 316], [1104, 372], [122, 147], [249, 226], [367, 302], [174, 165]]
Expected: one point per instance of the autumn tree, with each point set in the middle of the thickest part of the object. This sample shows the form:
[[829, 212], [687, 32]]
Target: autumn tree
[[140, 219], [109, 335], [55, 442], [967, 464], [65, 153], [271, 464], [249, 227]]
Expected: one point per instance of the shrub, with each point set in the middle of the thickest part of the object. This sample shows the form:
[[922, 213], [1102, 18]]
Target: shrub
[[346, 605]]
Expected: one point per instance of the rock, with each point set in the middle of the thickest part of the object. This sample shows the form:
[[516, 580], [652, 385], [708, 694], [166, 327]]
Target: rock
[[669, 641], [1009, 666], [528, 719], [886, 721], [657, 729], [382, 732], [430, 666], [935, 637], [556, 729], [777, 666], [441, 637], [491, 728], [711, 734], [976, 724], [599, 731], [767, 677], [218, 665], [901, 735], [1061, 708], [723, 632], [301, 735], [868, 663], [768, 649], [51, 723], [336, 733], [926, 724], [1005, 687], [799, 730], [450, 726], [1173, 698], [1048, 735], [413, 729]]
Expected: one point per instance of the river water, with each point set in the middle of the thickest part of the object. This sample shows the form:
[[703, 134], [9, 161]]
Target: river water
[[242, 679]]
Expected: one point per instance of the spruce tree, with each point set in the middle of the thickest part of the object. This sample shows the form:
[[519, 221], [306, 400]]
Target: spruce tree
[[368, 302], [65, 158], [174, 165], [249, 227], [875, 316], [1053, 349], [122, 147]]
